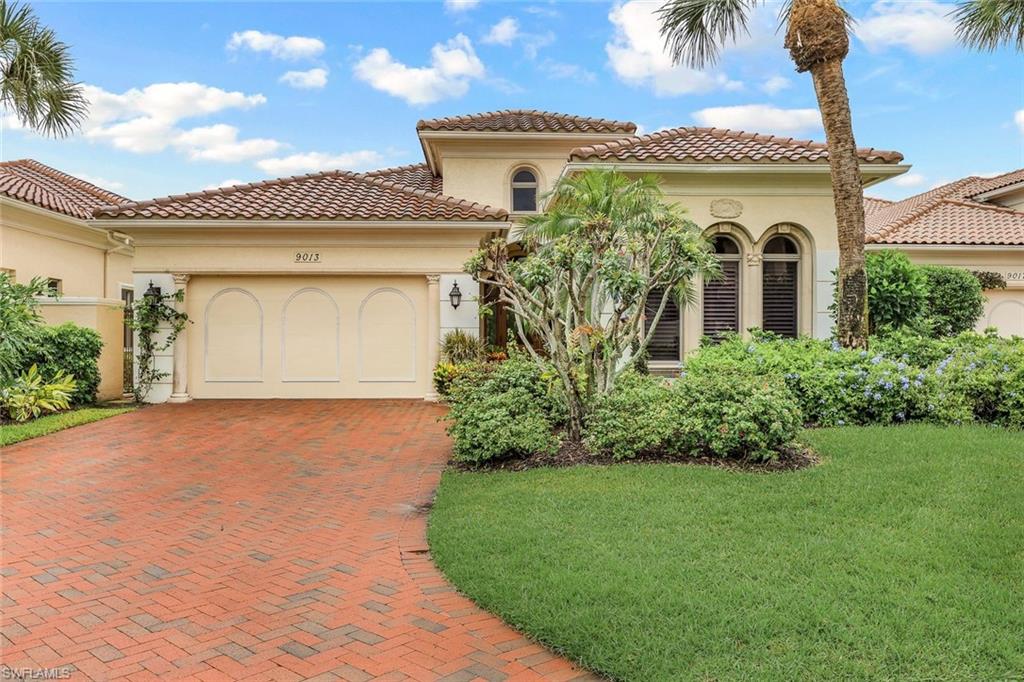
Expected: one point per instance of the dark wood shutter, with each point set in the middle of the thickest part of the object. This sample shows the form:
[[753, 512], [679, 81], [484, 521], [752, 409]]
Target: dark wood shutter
[[779, 293], [664, 344], [722, 301]]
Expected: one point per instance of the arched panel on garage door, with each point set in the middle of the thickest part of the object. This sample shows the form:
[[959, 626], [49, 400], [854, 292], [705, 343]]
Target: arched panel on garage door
[[387, 337], [310, 337], [233, 338], [1008, 317]]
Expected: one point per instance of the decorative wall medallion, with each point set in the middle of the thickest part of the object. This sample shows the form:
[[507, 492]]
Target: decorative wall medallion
[[726, 208], [754, 259]]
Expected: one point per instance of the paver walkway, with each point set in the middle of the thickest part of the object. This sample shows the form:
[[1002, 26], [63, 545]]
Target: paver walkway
[[276, 540]]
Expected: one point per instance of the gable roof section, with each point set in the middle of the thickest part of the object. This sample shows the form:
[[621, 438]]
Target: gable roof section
[[717, 145], [331, 195], [949, 214], [874, 204], [414, 176], [35, 183], [526, 121]]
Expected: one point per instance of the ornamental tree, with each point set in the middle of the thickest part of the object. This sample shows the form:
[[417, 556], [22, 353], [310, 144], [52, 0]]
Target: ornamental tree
[[592, 261]]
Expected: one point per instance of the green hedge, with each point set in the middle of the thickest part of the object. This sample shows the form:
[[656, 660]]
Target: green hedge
[[71, 349]]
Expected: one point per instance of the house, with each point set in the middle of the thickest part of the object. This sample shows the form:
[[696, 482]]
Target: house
[[46, 231], [341, 284], [974, 223]]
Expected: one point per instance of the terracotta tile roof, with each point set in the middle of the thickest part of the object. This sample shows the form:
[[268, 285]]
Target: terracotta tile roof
[[414, 176], [873, 204], [527, 121], [713, 145], [332, 195], [37, 184], [949, 215]]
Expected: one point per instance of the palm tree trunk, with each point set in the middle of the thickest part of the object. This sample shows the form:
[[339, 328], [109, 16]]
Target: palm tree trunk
[[848, 194]]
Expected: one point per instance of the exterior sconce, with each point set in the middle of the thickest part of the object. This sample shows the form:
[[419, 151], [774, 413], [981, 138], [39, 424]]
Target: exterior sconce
[[153, 292], [455, 296]]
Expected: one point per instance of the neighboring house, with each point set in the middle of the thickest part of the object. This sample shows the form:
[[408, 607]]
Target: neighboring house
[[974, 223], [45, 232], [341, 284]]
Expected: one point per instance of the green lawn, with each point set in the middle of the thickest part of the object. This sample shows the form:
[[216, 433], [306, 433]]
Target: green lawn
[[900, 557], [15, 433]]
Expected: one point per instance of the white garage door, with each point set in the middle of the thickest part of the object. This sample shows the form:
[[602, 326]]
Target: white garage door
[[307, 337], [1004, 310]]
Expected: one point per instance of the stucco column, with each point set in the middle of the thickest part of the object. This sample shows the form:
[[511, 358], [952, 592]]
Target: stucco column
[[752, 281], [180, 376], [433, 331]]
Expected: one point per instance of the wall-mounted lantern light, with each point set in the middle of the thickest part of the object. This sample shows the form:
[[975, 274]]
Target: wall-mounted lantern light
[[455, 296], [153, 292]]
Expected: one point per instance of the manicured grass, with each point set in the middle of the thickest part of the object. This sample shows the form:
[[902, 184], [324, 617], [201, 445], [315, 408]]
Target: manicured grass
[[15, 433], [900, 557]]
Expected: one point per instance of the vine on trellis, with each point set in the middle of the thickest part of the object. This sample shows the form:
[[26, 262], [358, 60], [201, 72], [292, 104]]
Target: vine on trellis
[[153, 314]]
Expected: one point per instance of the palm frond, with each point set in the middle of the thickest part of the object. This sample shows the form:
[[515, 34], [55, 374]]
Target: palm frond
[[695, 30], [989, 24]]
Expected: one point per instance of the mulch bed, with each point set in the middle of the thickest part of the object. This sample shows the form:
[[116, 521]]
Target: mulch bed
[[576, 454]]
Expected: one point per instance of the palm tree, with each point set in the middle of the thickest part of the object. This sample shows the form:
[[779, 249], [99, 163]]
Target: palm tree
[[36, 74], [818, 39], [988, 24]]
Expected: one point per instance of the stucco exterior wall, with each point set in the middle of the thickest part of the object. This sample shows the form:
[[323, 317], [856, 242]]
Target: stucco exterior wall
[[107, 318]]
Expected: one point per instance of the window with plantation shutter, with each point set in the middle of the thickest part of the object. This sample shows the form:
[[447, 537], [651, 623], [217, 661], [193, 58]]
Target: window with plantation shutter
[[780, 286], [665, 344], [722, 296]]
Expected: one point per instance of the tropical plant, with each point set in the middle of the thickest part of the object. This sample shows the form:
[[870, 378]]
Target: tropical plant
[[152, 315], [593, 260], [459, 347], [29, 395], [73, 350], [988, 24], [818, 39], [20, 322], [37, 74]]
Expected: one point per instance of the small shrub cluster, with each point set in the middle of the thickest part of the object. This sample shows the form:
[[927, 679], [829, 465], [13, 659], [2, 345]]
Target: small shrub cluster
[[72, 350], [735, 414], [29, 395], [904, 377], [503, 409]]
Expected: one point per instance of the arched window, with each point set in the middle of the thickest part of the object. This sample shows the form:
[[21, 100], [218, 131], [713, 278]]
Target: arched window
[[780, 286], [665, 344], [524, 191], [722, 296]]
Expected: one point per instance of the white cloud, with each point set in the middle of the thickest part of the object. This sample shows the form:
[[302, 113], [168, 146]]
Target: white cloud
[[923, 27], [563, 71], [460, 5], [503, 32], [318, 161], [147, 120], [638, 56], [909, 180], [220, 143], [313, 79], [452, 66], [1019, 119], [762, 118], [227, 183], [100, 182], [776, 84], [279, 47]]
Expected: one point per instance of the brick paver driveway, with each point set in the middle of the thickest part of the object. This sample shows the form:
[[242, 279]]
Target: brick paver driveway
[[242, 539]]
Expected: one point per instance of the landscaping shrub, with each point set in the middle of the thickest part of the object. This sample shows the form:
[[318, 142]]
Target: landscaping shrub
[[458, 347], [954, 300], [634, 418], [734, 414], [29, 395], [896, 290], [73, 350], [505, 409], [990, 280]]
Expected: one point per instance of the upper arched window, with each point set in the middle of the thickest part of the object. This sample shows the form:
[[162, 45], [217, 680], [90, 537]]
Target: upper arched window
[[780, 286], [524, 191]]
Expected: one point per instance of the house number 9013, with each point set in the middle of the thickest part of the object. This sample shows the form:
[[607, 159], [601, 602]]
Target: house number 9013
[[307, 256]]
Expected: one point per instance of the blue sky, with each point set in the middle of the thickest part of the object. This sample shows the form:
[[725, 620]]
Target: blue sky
[[189, 96]]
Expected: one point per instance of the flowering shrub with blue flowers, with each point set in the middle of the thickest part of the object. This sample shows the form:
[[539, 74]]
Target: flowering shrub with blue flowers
[[902, 378]]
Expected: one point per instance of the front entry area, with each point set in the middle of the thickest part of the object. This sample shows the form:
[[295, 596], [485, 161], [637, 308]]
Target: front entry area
[[308, 337]]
